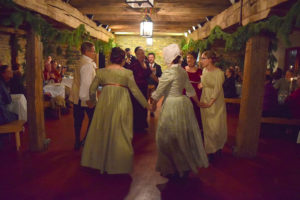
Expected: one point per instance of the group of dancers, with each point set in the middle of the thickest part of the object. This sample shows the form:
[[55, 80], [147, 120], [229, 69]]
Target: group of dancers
[[108, 146]]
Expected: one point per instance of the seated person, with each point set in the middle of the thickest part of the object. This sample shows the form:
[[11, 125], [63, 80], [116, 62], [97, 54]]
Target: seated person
[[283, 86], [54, 73], [63, 71], [293, 101], [5, 99], [129, 58], [16, 84], [270, 104], [229, 84], [50, 73]]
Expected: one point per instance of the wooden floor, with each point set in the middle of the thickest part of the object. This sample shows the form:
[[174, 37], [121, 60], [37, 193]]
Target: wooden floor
[[56, 173]]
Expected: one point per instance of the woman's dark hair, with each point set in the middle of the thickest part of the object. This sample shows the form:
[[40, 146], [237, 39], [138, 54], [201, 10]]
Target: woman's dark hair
[[232, 72], [16, 67], [137, 48], [3, 68], [268, 78], [117, 55], [193, 53], [176, 60], [278, 74], [211, 55]]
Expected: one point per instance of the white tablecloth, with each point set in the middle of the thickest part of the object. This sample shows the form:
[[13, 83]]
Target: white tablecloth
[[55, 90], [19, 106], [67, 82]]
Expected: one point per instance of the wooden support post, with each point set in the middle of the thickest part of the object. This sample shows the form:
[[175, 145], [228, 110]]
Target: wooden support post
[[252, 97], [34, 83]]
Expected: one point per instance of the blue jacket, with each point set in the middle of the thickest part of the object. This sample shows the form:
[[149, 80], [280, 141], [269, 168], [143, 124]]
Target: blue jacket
[[5, 99]]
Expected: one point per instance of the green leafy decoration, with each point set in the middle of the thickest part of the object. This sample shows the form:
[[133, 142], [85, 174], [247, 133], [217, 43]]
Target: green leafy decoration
[[274, 25], [50, 36]]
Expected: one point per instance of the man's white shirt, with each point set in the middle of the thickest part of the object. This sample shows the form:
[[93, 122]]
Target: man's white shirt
[[87, 75]]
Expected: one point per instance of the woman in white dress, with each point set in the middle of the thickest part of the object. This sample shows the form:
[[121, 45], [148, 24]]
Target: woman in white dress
[[178, 137], [213, 109]]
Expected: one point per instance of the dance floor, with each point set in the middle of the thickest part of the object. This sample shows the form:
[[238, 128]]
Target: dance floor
[[57, 174]]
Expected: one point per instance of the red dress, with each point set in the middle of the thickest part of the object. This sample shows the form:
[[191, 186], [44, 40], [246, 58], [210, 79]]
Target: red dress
[[195, 80]]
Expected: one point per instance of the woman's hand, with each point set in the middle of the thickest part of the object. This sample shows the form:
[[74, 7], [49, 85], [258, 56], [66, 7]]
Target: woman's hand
[[203, 105], [200, 86], [149, 107], [90, 104]]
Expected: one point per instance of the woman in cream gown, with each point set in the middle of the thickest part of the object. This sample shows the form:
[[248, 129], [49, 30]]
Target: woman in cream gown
[[213, 109], [178, 137], [108, 145]]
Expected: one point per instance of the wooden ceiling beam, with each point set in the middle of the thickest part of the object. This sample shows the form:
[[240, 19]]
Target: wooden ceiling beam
[[106, 2], [252, 11], [99, 9], [66, 14], [165, 18]]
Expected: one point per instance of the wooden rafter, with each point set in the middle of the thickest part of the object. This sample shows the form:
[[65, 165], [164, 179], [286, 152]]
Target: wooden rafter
[[66, 14], [252, 11]]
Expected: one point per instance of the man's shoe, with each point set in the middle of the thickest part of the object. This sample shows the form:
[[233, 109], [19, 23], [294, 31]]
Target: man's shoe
[[77, 146]]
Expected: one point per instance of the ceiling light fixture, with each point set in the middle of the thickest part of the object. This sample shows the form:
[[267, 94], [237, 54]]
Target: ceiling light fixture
[[140, 3], [208, 18], [146, 27], [90, 16], [149, 41]]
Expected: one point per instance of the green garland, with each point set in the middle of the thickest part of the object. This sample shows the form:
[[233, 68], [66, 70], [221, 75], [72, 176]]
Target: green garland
[[274, 27], [49, 34]]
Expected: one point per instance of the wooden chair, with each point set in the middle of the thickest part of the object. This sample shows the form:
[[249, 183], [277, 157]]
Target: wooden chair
[[13, 127]]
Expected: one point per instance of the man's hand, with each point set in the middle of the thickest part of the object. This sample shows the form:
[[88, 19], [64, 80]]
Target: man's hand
[[90, 104]]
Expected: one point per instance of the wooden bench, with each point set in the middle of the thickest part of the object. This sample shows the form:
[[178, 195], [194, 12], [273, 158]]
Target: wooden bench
[[13, 127], [233, 100], [283, 121]]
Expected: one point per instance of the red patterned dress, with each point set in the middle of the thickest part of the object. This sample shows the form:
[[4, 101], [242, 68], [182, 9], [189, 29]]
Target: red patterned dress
[[195, 80]]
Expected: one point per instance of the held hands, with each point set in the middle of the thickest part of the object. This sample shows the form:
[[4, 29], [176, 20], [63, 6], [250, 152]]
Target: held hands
[[200, 86], [203, 105], [90, 104], [206, 105], [151, 107]]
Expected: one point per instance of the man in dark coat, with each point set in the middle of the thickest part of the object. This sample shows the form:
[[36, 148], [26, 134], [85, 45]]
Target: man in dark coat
[[156, 70], [141, 72], [5, 99]]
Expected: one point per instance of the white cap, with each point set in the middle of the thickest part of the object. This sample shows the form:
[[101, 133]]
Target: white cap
[[170, 53]]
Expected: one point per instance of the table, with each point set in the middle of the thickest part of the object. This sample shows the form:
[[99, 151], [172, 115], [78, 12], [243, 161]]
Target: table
[[67, 81], [56, 89], [18, 106]]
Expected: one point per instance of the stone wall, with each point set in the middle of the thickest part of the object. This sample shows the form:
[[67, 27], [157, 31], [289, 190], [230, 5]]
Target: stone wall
[[159, 42], [5, 54], [5, 49]]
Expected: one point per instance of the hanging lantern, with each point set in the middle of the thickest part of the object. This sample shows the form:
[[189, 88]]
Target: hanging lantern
[[146, 27], [140, 3], [149, 41]]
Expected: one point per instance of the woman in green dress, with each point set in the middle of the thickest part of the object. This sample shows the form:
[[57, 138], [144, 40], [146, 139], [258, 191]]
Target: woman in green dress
[[108, 144]]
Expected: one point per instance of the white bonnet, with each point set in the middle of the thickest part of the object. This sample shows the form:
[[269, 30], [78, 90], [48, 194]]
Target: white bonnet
[[170, 53]]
